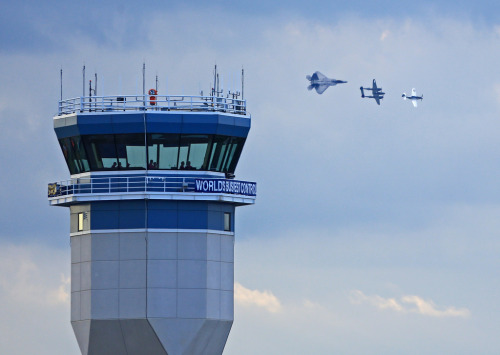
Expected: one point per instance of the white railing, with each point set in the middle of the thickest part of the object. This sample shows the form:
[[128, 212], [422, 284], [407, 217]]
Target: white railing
[[152, 103], [130, 184]]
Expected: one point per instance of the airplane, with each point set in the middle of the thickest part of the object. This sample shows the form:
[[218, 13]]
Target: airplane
[[414, 98], [377, 93], [320, 82]]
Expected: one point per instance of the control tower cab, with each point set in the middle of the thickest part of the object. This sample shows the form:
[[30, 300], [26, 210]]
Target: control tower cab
[[152, 200]]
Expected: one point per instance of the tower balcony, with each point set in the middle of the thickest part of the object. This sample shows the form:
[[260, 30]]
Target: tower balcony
[[199, 186]]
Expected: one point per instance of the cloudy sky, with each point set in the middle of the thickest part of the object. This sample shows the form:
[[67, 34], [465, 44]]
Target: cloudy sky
[[376, 228]]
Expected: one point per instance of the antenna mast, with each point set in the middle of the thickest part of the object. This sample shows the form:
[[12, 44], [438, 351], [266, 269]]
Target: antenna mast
[[61, 83], [83, 72], [144, 82], [242, 82], [215, 80]]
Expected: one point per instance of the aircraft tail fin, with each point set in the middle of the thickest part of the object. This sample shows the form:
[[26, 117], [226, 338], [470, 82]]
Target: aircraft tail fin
[[404, 96], [308, 77], [362, 92]]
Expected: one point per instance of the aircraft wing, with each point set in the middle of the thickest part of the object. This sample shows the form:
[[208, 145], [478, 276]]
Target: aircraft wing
[[321, 88], [374, 86], [318, 75], [377, 98], [413, 92], [414, 102]]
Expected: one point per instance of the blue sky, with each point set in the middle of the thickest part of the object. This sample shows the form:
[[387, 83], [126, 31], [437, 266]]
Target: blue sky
[[376, 228]]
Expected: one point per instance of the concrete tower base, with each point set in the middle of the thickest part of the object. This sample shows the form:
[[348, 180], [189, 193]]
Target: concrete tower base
[[155, 336], [151, 291]]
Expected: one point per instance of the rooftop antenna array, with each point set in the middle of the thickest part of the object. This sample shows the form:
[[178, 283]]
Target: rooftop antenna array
[[216, 91]]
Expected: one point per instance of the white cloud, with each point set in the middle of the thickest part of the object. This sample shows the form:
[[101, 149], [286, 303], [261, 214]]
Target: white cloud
[[358, 297], [34, 300], [428, 308], [264, 299], [385, 34], [423, 307], [25, 279]]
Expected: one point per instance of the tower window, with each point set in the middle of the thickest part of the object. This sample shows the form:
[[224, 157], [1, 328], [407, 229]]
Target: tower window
[[80, 221], [227, 221]]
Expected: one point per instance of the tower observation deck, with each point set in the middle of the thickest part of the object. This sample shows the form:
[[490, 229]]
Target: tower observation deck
[[152, 199]]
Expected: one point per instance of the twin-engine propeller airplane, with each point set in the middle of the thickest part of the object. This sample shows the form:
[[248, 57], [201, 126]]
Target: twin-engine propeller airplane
[[320, 82], [377, 92], [414, 98]]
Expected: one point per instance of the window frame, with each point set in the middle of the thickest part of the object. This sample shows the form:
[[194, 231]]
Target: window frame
[[80, 218], [227, 222]]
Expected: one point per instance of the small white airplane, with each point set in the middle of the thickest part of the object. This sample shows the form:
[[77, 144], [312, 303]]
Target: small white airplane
[[414, 98]]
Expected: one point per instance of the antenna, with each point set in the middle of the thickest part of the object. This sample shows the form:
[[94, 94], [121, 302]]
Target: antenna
[[61, 83], [156, 82], [83, 71], [215, 80], [217, 85], [242, 81], [95, 84], [144, 82], [143, 78]]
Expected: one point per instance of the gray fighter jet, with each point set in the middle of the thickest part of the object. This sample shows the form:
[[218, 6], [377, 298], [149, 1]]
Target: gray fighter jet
[[321, 82], [377, 93]]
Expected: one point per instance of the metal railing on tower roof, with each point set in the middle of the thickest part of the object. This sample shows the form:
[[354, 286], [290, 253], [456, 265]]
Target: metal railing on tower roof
[[152, 103]]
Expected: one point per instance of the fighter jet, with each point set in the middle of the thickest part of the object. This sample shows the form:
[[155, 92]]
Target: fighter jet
[[414, 98], [377, 93], [321, 82]]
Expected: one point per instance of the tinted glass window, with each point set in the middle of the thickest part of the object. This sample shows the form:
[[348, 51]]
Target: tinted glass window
[[101, 150], [219, 148], [163, 151], [227, 221], [235, 154], [74, 153], [80, 154], [131, 150], [193, 150]]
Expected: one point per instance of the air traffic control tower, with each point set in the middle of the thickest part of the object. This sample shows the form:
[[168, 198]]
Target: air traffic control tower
[[152, 200]]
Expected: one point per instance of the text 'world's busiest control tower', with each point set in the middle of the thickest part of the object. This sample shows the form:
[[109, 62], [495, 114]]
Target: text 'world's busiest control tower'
[[152, 200]]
